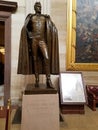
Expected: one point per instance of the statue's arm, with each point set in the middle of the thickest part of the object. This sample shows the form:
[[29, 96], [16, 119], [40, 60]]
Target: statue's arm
[[28, 25]]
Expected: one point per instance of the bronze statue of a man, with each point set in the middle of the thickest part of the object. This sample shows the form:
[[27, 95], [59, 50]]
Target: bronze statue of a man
[[38, 53]]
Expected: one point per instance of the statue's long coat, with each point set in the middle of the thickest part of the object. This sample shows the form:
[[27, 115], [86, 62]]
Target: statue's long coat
[[25, 61]]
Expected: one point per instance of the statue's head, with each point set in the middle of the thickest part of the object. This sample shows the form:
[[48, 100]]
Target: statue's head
[[37, 7]]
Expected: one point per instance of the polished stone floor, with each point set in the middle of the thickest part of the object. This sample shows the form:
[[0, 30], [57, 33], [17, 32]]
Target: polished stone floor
[[87, 121]]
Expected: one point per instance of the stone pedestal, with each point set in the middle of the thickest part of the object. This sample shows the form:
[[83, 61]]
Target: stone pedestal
[[40, 112]]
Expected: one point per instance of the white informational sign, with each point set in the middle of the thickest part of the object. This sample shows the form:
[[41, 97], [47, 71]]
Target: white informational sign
[[72, 88]]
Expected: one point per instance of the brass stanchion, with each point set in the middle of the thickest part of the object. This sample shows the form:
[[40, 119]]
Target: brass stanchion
[[8, 115]]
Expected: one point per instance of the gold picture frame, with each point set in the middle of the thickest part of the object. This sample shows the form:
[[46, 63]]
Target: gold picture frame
[[71, 62]]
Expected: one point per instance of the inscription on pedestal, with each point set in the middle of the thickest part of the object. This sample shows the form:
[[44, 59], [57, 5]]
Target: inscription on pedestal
[[40, 112]]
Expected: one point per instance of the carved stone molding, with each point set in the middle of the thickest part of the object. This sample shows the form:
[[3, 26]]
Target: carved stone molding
[[8, 6]]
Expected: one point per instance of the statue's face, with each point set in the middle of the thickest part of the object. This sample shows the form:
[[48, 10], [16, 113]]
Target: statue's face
[[38, 8]]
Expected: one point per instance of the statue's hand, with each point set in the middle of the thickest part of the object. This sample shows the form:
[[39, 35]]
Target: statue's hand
[[30, 35]]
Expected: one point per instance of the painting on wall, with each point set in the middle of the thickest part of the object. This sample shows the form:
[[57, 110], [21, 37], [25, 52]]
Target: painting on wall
[[82, 35]]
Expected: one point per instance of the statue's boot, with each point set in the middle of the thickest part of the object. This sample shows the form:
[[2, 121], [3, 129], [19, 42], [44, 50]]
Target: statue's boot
[[36, 72], [36, 80], [48, 79], [48, 82]]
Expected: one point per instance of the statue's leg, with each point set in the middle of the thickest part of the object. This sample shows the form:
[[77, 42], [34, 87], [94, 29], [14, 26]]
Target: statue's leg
[[34, 53], [44, 50], [36, 72]]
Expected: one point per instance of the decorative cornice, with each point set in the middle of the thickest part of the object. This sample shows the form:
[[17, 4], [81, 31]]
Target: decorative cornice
[[8, 6]]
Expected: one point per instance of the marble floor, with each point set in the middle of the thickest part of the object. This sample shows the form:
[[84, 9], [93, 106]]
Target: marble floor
[[87, 121]]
